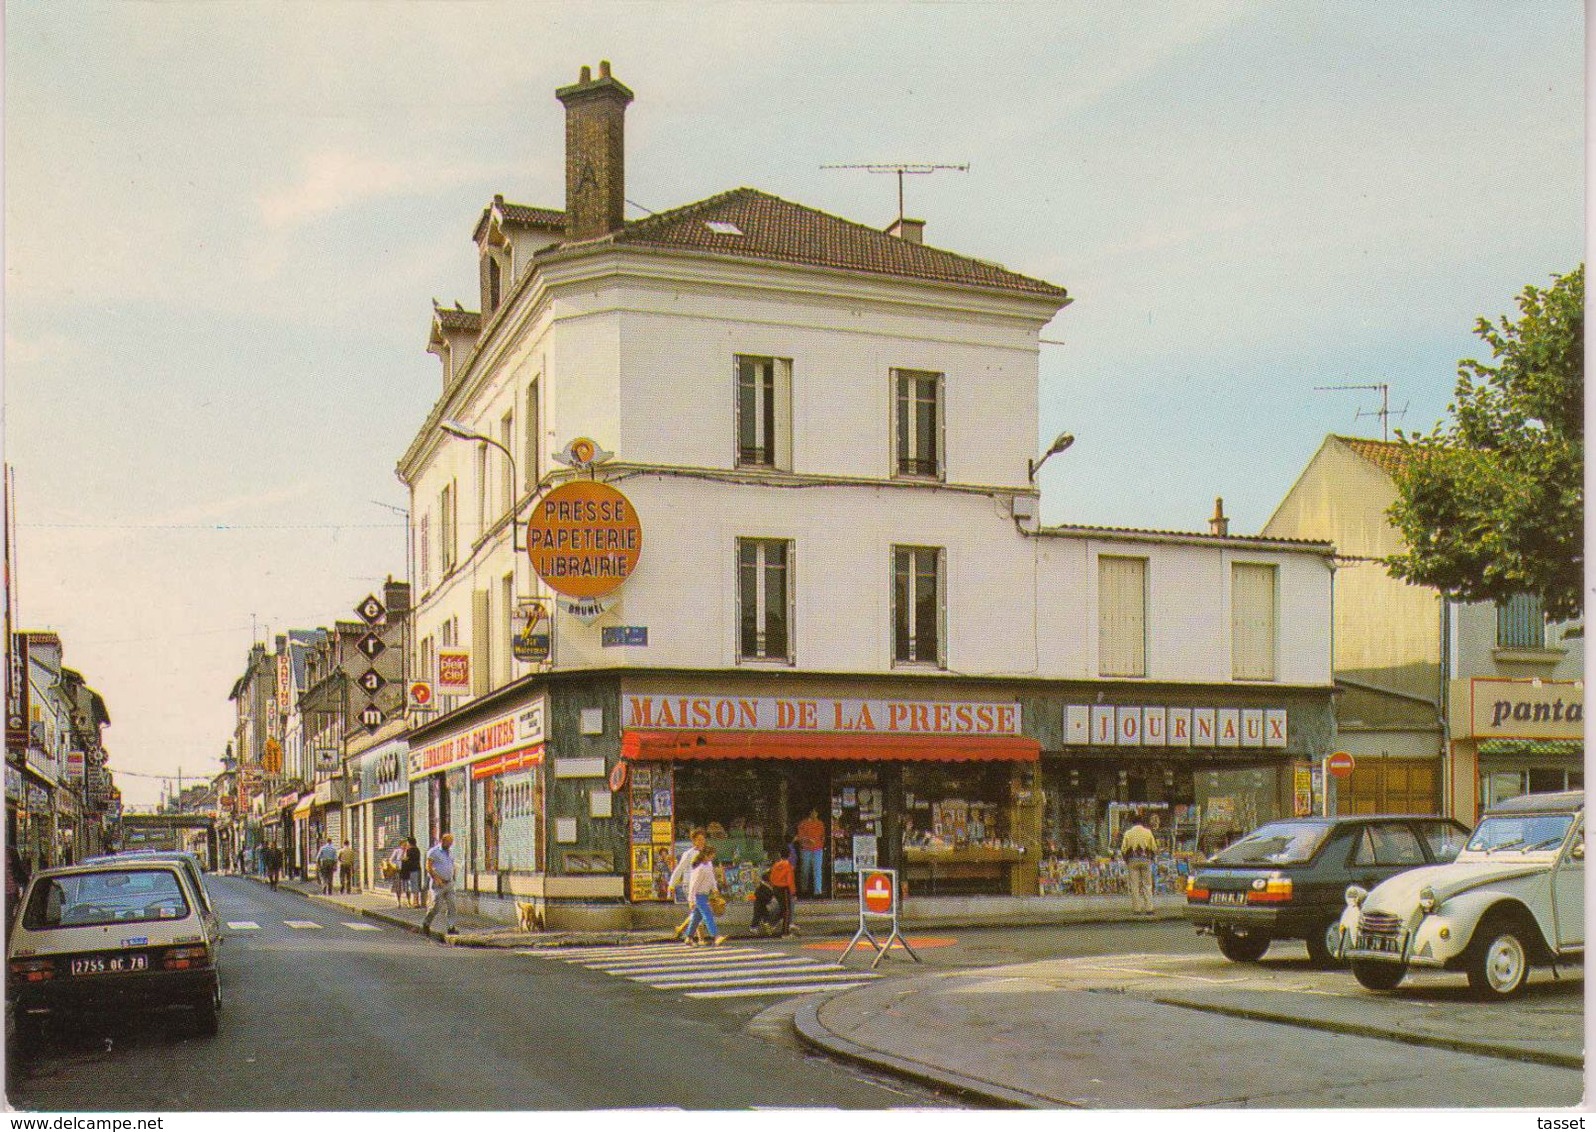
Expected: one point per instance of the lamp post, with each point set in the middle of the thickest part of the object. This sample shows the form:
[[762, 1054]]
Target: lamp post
[[456, 429], [1063, 441]]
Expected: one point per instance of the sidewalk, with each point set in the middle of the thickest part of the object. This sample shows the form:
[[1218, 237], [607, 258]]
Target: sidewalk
[[1053, 1034]]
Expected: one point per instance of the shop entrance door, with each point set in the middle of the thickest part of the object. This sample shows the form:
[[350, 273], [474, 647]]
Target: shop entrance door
[[809, 788]]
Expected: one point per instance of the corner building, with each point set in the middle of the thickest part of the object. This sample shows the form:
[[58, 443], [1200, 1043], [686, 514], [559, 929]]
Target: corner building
[[842, 601]]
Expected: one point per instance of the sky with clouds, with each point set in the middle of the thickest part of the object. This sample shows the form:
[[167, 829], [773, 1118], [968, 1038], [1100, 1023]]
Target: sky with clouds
[[226, 222]]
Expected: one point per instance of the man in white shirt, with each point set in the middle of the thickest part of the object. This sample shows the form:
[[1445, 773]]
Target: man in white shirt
[[440, 867], [679, 875]]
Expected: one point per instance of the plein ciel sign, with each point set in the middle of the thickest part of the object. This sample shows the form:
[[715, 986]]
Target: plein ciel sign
[[584, 539]]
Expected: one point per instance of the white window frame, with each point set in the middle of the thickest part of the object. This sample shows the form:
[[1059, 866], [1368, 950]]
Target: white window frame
[[760, 605], [779, 444], [907, 376], [940, 660]]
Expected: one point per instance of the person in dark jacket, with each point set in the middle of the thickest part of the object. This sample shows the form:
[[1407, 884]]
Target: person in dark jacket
[[410, 871]]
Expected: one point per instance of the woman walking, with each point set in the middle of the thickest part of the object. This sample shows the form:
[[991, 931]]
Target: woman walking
[[410, 871], [700, 887]]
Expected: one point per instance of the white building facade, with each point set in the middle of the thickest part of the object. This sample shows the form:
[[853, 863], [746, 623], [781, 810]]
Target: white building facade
[[840, 604]]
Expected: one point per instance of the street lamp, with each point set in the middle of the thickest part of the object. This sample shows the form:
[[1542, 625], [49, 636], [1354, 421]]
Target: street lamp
[[456, 429], [1033, 466]]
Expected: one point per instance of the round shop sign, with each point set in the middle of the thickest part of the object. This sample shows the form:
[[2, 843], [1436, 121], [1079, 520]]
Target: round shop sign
[[618, 776], [878, 893], [584, 539], [1340, 764]]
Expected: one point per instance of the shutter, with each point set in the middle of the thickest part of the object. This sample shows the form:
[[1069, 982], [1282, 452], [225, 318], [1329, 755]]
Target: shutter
[[1122, 616], [1252, 621], [425, 553], [481, 643]]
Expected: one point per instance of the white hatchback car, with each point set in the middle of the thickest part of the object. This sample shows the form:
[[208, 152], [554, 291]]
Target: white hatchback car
[[126, 936], [1514, 898]]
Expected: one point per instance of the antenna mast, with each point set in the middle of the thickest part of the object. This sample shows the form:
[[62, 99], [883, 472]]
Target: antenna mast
[[900, 168], [1383, 412]]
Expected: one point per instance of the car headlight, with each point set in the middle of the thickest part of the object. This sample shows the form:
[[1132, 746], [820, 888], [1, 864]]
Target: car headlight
[[1355, 895], [1427, 901]]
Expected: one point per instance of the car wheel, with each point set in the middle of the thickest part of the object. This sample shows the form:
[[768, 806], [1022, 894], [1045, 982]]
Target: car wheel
[[1499, 958], [207, 1012], [1239, 948], [1322, 944], [1378, 976]]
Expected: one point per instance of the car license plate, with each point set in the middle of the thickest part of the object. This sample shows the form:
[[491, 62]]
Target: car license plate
[[1385, 944], [109, 964], [1227, 898]]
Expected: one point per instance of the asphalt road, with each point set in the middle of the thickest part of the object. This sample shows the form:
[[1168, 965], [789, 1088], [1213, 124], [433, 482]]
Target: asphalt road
[[320, 1015]]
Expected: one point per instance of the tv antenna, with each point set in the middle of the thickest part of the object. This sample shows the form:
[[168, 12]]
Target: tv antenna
[[900, 168], [1383, 412]]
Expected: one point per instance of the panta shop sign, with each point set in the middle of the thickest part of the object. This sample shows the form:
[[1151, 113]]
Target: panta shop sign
[[518, 729], [1526, 709], [1110, 725], [782, 713]]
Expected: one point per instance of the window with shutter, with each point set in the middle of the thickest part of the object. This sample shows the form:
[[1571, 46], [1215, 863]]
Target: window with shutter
[[1521, 623], [917, 605], [1252, 621], [764, 599], [1122, 616]]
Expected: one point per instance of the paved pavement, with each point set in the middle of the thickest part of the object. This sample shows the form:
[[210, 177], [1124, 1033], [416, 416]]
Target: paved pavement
[[1050, 1034]]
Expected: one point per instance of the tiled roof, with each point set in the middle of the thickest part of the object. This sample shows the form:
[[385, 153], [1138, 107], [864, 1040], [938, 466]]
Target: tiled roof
[[520, 216], [1134, 533], [1386, 455], [532, 217], [454, 318], [771, 228]]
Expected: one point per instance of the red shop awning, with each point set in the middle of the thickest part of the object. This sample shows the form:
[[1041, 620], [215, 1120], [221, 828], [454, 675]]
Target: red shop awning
[[664, 746], [508, 762]]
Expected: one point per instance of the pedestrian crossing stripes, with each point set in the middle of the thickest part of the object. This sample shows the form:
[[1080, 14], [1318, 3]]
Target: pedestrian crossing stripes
[[710, 972], [300, 925]]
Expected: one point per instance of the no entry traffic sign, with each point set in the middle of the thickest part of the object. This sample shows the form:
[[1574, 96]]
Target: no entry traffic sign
[[878, 893], [1340, 764]]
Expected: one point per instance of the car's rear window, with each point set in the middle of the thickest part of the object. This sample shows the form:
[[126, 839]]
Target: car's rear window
[[123, 896], [1278, 843]]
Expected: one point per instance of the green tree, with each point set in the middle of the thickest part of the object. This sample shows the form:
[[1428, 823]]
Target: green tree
[[1491, 502]]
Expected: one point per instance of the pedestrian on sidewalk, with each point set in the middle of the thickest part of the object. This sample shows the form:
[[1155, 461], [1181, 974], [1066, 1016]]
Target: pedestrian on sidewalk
[[326, 862], [410, 872], [392, 869], [1138, 847], [679, 875], [346, 868], [773, 899], [701, 887], [440, 868], [274, 865], [785, 883], [812, 852]]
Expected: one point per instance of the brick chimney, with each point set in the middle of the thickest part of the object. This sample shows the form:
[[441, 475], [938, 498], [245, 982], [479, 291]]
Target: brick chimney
[[595, 154], [909, 231], [1219, 524]]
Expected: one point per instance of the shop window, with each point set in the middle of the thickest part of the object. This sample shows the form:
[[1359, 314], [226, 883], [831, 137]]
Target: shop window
[[919, 604], [957, 829], [1122, 616], [1252, 621], [764, 413], [1521, 623], [764, 599], [917, 435], [506, 838]]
